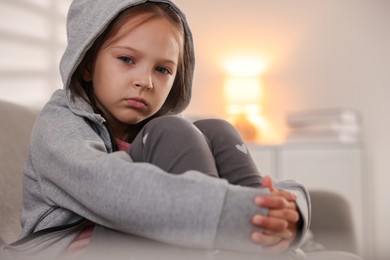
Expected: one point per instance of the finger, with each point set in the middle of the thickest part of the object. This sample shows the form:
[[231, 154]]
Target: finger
[[270, 223], [293, 228], [265, 240], [290, 199], [286, 234], [272, 202], [292, 205], [266, 182], [286, 214], [280, 247], [288, 195]]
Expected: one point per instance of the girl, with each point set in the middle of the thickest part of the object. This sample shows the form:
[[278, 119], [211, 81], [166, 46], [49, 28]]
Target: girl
[[109, 156]]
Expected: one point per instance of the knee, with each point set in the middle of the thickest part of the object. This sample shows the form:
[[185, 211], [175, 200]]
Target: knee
[[170, 124], [215, 126]]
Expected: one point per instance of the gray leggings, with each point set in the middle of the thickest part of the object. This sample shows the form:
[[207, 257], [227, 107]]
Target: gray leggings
[[210, 146]]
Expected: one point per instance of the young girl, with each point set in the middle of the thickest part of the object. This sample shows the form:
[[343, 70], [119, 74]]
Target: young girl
[[110, 156]]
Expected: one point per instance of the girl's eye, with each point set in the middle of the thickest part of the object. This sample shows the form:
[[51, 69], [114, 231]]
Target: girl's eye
[[163, 70], [126, 59]]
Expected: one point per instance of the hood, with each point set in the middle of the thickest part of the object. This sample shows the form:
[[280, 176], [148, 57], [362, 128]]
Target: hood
[[87, 19]]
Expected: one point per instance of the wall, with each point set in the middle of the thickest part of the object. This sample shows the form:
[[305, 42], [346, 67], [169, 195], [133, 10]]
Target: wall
[[333, 53], [320, 54], [32, 39]]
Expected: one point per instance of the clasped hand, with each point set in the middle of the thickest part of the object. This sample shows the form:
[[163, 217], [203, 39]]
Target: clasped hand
[[280, 225]]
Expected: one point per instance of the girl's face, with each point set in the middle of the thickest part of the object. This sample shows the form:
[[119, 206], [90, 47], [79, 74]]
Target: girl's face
[[133, 75]]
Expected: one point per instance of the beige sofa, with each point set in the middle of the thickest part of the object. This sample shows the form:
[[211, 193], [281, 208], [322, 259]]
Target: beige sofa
[[15, 127], [331, 222]]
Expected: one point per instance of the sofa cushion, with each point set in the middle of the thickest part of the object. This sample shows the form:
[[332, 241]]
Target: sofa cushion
[[15, 128]]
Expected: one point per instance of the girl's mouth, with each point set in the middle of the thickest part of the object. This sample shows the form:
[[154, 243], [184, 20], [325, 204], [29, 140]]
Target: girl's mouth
[[138, 103]]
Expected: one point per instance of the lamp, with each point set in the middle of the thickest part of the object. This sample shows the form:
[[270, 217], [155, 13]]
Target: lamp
[[243, 94]]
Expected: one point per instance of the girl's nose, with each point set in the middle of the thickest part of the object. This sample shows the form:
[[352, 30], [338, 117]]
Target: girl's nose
[[143, 80], [146, 84]]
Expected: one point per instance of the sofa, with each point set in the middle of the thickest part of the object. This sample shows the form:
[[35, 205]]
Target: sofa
[[331, 218], [15, 127]]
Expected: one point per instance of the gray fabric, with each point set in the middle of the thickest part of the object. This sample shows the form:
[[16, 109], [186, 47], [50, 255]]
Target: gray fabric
[[119, 246], [210, 146], [72, 173], [41, 247], [232, 157], [175, 145]]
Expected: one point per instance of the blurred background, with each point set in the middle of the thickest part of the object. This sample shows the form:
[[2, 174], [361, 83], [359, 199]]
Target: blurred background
[[304, 55]]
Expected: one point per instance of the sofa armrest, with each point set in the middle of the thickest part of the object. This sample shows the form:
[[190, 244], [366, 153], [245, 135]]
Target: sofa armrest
[[332, 221], [15, 128]]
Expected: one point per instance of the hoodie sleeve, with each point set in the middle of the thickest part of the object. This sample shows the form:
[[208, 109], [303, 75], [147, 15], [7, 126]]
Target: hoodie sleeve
[[232, 212]]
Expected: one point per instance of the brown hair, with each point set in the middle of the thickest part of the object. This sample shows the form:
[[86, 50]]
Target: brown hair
[[180, 94]]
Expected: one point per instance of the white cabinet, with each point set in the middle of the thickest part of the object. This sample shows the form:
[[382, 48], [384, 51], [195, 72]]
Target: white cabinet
[[331, 167], [265, 158]]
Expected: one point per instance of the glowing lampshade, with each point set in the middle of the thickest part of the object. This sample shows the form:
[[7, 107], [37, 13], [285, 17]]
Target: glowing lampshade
[[243, 95]]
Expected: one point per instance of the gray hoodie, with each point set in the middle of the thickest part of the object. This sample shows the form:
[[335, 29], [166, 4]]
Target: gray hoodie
[[72, 174]]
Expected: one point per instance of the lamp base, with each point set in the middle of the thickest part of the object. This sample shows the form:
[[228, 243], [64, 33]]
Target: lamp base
[[245, 127]]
